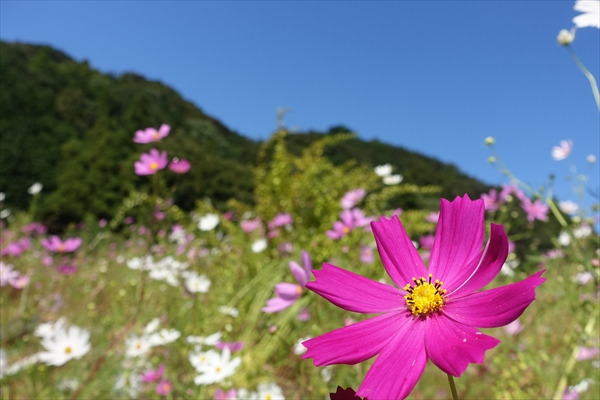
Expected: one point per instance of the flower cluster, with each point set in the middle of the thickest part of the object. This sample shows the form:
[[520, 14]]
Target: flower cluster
[[153, 161]]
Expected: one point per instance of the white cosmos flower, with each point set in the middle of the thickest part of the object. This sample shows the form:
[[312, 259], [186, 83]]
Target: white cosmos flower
[[203, 359], [383, 170], [299, 349], [563, 150], [568, 207], [164, 336], [208, 222], [231, 311], [591, 13], [269, 391], [65, 345], [209, 340], [217, 368], [392, 179], [137, 346], [49, 329], [259, 245], [564, 239], [152, 326], [196, 283], [566, 37], [35, 188]]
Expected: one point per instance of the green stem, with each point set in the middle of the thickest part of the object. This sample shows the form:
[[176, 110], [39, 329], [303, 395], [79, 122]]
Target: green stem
[[588, 75], [452, 387]]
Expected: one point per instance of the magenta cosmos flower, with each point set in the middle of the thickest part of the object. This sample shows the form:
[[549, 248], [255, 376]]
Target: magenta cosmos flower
[[55, 245], [287, 293], [432, 313], [150, 135], [150, 163]]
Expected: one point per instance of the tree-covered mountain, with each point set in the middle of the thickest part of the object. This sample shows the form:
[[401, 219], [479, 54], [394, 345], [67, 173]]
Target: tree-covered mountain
[[70, 127]]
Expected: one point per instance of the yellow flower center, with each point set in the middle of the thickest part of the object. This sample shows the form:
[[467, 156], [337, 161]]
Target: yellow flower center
[[153, 165], [346, 230], [424, 298], [68, 350]]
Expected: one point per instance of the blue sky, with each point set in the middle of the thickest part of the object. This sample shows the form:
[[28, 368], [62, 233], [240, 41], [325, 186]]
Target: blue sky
[[435, 77]]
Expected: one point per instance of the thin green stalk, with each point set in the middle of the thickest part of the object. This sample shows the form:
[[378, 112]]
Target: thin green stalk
[[452, 387], [588, 75]]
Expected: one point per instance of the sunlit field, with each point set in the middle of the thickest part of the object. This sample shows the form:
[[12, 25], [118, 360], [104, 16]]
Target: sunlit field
[[161, 303]]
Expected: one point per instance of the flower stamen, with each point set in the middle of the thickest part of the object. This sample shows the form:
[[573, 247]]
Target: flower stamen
[[424, 297]]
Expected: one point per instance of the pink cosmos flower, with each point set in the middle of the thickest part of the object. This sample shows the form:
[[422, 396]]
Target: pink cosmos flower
[[164, 387], [563, 150], [352, 198], [281, 220], [150, 135], [34, 228], [220, 394], [55, 245], [16, 248], [491, 200], [66, 269], [535, 210], [153, 375], [232, 346], [287, 293], [350, 219], [432, 313], [511, 189], [179, 166], [150, 163], [250, 225]]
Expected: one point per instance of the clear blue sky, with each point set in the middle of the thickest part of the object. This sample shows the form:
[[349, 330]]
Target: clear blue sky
[[435, 77]]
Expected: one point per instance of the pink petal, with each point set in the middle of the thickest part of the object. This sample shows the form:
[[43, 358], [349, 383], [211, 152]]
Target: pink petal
[[353, 292], [494, 307], [277, 304], [398, 254], [453, 346], [355, 343], [458, 237], [398, 368], [483, 269], [299, 273], [288, 291]]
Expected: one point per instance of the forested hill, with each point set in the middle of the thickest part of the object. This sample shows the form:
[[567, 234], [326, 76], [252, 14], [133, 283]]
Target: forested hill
[[70, 127]]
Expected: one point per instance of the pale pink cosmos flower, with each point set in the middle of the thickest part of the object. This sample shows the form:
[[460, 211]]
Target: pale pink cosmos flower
[[432, 313], [154, 374], [150, 135], [8, 275], [587, 353], [535, 210], [352, 198], [55, 245], [287, 293], [179, 166], [150, 163], [491, 200], [563, 150]]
